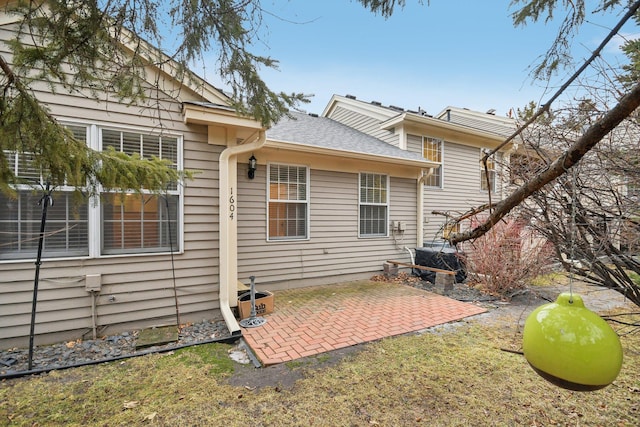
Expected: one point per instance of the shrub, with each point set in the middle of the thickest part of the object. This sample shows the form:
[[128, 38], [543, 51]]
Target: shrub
[[507, 258]]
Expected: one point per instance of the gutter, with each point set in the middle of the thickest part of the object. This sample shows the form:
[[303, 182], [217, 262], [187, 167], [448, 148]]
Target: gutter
[[228, 176], [358, 155]]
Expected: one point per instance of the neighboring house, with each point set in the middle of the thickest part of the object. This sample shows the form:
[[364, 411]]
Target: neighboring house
[[455, 139]]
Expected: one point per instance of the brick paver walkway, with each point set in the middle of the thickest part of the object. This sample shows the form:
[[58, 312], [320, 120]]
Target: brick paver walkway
[[314, 320]]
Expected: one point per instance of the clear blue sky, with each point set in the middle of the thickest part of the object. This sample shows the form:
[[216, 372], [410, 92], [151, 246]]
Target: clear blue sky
[[462, 53]]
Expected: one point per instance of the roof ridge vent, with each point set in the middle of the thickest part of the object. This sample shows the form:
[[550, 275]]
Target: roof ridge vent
[[393, 107], [376, 103], [350, 96]]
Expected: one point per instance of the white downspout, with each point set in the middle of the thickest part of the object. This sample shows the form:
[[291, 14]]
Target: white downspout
[[228, 195], [420, 208]]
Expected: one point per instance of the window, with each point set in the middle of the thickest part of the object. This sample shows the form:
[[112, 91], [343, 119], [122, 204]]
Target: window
[[490, 183], [135, 223], [288, 204], [432, 151], [374, 205], [450, 228], [124, 224], [66, 232]]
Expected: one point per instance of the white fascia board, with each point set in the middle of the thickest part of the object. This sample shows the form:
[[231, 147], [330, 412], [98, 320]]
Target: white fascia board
[[310, 149], [217, 115], [377, 112], [408, 118]]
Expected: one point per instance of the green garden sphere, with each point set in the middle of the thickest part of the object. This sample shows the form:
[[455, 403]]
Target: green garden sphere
[[571, 346]]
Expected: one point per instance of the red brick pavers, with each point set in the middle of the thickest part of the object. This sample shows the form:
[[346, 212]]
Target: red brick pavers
[[314, 320]]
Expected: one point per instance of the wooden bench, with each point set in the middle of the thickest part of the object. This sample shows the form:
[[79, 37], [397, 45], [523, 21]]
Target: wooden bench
[[444, 278], [422, 267]]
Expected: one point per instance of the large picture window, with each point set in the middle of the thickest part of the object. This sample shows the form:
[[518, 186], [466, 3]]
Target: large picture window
[[432, 151], [130, 223], [288, 204], [67, 228], [488, 176], [374, 205]]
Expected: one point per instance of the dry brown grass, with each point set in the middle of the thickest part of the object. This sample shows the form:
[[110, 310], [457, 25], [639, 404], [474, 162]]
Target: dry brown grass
[[450, 376]]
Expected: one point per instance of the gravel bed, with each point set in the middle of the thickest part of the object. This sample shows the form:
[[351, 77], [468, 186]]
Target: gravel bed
[[72, 353]]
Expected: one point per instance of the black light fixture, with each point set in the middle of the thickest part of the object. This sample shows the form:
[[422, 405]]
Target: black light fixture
[[253, 162]]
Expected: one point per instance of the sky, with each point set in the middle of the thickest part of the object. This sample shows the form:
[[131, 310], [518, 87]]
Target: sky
[[460, 53]]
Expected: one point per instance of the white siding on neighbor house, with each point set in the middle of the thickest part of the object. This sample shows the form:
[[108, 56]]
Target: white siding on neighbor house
[[461, 188], [137, 290], [333, 252], [414, 144], [364, 124]]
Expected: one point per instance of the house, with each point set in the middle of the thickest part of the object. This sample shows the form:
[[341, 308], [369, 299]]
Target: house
[[325, 203], [455, 139], [109, 263], [311, 201]]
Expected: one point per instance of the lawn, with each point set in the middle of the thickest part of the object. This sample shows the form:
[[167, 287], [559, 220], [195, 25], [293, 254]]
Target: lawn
[[450, 376]]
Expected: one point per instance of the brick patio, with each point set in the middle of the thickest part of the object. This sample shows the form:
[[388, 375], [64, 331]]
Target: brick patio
[[314, 320]]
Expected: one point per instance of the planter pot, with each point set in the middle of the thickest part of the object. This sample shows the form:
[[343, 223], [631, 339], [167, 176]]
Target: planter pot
[[264, 304]]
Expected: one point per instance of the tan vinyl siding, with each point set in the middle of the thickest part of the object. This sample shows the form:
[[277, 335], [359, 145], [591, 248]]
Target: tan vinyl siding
[[364, 124], [414, 144], [333, 250], [461, 188], [137, 290]]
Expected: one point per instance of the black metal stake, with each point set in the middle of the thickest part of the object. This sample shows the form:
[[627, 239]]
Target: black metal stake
[[45, 202], [173, 268]]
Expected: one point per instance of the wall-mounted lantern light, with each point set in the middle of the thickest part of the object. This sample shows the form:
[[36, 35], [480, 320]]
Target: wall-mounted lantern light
[[253, 162]]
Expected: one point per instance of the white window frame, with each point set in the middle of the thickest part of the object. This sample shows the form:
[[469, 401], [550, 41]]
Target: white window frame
[[69, 211], [94, 214], [306, 202], [384, 204], [441, 162], [178, 245]]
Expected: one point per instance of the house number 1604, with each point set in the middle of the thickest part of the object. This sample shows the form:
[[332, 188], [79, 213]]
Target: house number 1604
[[232, 205]]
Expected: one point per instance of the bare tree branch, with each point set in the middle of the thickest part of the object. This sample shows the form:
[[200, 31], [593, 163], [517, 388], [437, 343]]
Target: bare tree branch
[[576, 151]]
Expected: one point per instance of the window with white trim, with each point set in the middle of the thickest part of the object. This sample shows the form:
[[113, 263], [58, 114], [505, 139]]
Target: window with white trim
[[67, 227], [126, 223], [140, 223], [432, 151], [487, 184], [373, 205], [288, 202]]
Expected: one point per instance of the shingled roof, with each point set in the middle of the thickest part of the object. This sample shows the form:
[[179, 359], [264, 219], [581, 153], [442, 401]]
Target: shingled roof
[[327, 133]]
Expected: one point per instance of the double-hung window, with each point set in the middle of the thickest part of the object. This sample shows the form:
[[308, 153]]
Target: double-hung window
[[373, 205], [432, 151], [288, 204], [140, 222], [66, 232], [488, 175]]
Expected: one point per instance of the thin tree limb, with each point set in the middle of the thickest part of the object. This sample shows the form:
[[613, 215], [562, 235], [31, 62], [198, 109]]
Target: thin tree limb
[[546, 106]]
